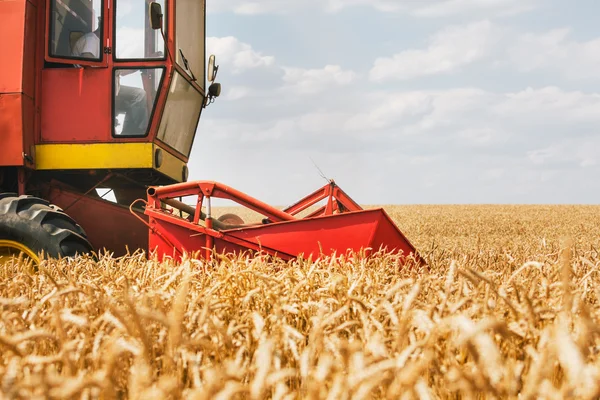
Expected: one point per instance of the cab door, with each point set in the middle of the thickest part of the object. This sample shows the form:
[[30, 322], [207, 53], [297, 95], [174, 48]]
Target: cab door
[[77, 32]]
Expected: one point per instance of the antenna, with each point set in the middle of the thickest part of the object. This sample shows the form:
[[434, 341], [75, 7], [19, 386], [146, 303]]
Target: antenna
[[319, 169]]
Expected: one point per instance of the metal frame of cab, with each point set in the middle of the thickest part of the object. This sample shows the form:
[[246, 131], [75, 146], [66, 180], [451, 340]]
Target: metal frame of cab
[[90, 112]]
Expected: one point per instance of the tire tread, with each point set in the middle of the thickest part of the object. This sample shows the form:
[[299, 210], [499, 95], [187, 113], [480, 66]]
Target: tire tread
[[41, 226]]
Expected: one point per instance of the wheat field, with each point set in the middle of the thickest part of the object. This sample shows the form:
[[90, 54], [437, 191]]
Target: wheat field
[[509, 308]]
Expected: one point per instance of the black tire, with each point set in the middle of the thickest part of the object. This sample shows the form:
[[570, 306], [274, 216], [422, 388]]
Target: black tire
[[41, 226]]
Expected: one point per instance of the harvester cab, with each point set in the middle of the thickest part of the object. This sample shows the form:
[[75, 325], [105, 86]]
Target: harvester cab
[[101, 94]]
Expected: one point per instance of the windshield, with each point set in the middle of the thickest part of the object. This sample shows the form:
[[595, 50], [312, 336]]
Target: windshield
[[189, 43], [181, 115]]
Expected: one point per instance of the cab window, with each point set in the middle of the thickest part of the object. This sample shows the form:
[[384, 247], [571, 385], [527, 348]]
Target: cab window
[[181, 115], [134, 99], [135, 39], [189, 40], [76, 29]]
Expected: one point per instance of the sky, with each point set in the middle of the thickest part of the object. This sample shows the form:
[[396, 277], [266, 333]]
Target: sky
[[405, 101]]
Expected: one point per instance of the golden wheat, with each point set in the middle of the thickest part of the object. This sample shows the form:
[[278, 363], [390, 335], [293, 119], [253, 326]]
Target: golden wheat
[[508, 308]]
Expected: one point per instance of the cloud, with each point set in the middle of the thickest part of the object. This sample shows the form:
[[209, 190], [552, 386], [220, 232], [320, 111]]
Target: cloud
[[420, 8], [555, 51], [443, 8], [238, 93], [238, 59], [567, 107], [578, 153], [506, 119], [237, 55], [449, 50], [517, 144], [587, 154], [388, 6], [386, 110], [453, 49], [283, 7], [540, 156], [312, 81], [417, 112], [481, 137], [462, 118]]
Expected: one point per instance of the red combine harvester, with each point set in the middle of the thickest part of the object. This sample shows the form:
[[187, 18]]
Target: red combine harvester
[[108, 94]]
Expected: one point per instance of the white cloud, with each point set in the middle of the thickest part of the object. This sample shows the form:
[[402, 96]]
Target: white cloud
[[588, 157], [449, 50], [540, 156], [492, 174], [518, 144], [417, 112], [236, 55], [550, 102], [246, 7], [312, 81], [467, 117], [482, 136], [323, 123], [452, 49], [421, 8], [555, 51], [442, 8], [577, 151], [385, 110], [237, 59], [238, 93], [499, 123], [422, 160], [380, 5]]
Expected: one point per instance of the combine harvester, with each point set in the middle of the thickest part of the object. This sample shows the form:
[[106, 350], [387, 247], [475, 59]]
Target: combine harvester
[[82, 108]]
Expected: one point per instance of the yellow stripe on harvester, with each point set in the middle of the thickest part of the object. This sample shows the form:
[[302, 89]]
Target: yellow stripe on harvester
[[106, 156], [93, 156]]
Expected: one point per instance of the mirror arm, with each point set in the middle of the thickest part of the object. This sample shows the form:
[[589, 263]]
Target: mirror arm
[[162, 33], [156, 11]]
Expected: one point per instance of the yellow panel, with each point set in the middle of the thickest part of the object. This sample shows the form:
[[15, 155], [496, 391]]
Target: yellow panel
[[171, 165], [94, 156]]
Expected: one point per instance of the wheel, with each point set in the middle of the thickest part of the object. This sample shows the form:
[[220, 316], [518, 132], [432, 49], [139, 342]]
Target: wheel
[[231, 219], [31, 225]]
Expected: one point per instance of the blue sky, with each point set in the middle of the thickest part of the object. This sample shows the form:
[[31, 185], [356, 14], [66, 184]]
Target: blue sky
[[405, 102]]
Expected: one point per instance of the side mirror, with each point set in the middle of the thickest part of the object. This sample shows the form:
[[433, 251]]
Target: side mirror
[[212, 69], [214, 90], [156, 15]]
